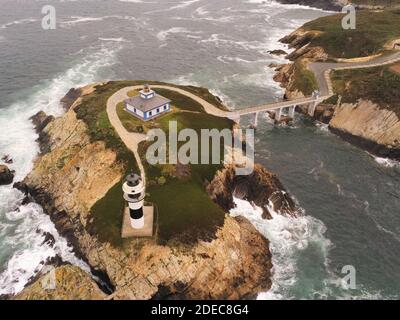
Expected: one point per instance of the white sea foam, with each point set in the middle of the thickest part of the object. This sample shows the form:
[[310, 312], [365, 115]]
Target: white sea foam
[[17, 22], [180, 5], [23, 226], [114, 39], [185, 80], [386, 162], [288, 236], [77, 20], [32, 253], [164, 34]]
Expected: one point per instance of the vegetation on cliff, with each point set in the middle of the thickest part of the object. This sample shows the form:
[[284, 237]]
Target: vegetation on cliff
[[374, 30], [185, 212], [303, 79], [169, 187], [379, 84], [235, 263]]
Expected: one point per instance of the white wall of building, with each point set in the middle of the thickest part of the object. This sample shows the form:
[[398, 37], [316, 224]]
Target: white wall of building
[[132, 109], [160, 110]]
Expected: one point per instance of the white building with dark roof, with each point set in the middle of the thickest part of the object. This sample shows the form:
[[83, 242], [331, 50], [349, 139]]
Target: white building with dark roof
[[148, 104]]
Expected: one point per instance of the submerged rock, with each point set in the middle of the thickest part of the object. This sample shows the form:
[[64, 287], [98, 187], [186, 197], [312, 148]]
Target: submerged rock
[[6, 175], [278, 52]]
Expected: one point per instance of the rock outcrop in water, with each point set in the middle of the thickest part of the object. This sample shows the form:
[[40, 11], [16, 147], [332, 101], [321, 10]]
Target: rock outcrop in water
[[321, 4], [75, 172], [260, 187], [6, 175]]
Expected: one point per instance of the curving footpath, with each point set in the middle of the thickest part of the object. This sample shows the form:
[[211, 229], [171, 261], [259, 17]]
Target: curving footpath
[[320, 69], [132, 139]]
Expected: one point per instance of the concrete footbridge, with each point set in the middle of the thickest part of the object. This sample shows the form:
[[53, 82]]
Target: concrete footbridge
[[322, 72], [280, 108]]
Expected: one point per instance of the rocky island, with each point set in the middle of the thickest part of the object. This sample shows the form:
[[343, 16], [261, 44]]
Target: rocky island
[[198, 251]]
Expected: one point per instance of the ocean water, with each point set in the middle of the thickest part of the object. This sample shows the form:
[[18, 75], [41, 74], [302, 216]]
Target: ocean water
[[349, 200]]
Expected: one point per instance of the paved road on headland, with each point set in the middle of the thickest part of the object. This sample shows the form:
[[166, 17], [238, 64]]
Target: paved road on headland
[[320, 69]]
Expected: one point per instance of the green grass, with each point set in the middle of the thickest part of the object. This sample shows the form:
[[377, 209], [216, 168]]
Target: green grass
[[130, 122], [185, 212], [373, 31], [331, 100], [93, 112], [107, 216], [380, 85], [180, 101], [304, 79]]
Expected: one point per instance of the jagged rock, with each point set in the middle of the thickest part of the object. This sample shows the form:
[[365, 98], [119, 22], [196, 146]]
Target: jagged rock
[[40, 120], [369, 126], [70, 98], [260, 187], [74, 169], [7, 159], [74, 95], [66, 282], [278, 52], [235, 263], [6, 175]]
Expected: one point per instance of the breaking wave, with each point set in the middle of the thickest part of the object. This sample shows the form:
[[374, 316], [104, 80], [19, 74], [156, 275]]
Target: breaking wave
[[24, 228]]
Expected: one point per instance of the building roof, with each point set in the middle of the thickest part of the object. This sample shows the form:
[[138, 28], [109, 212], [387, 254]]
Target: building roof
[[147, 104]]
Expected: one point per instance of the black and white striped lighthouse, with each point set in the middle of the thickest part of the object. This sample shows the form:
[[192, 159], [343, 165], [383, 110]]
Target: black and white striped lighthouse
[[134, 193]]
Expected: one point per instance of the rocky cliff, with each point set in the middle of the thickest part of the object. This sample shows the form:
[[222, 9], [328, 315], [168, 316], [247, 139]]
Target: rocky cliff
[[73, 173], [63, 283], [367, 125], [260, 187], [371, 126]]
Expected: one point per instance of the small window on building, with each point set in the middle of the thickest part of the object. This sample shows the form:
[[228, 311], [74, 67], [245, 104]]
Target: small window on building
[[150, 113], [158, 110], [134, 110], [165, 107]]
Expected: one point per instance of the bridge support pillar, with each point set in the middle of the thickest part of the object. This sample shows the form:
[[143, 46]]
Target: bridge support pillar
[[311, 108], [255, 120], [291, 111], [278, 114]]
